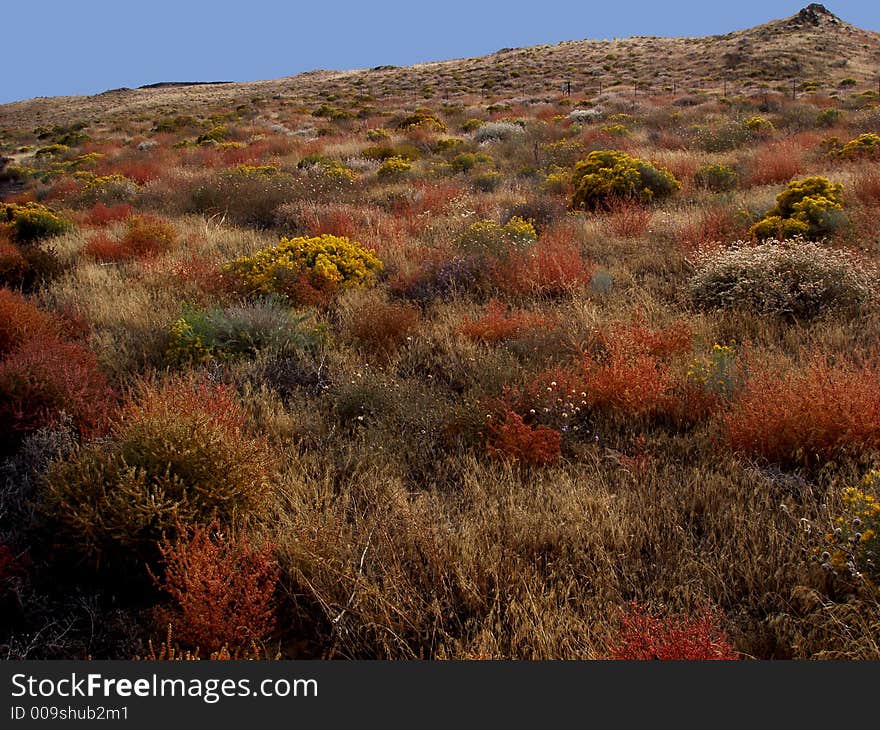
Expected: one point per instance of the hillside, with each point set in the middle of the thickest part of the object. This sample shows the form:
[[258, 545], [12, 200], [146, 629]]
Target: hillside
[[442, 362], [815, 49]]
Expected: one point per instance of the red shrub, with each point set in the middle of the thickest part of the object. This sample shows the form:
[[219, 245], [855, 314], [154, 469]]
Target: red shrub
[[779, 162], [510, 439], [629, 385], [650, 636], [101, 215], [628, 218], [20, 321], [380, 328], [105, 249], [200, 272], [13, 265], [789, 412], [716, 224], [223, 590], [548, 268], [139, 170], [148, 235], [637, 337], [867, 187], [42, 378], [497, 324]]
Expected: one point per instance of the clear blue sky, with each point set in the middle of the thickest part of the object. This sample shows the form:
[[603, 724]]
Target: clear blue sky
[[55, 47]]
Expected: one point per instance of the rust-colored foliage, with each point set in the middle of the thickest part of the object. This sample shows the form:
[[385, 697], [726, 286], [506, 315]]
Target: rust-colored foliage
[[101, 215], [497, 324], [548, 268], [20, 320], [645, 635], [790, 413], [628, 218], [222, 589], [779, 162], [105, 249], [148, 235], [381, 327], [511, 439], [44, 377]]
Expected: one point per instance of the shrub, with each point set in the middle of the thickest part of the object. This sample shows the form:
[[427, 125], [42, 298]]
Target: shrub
[[101, 215], [645, 635], [222, 589], [41, 379], [105, 249], [147, 235], [553, 268], [803, 413], [421, 117], [380, 327], [199, 336], [607, 175], [497, 132], [324, 263], [497, 325], [393, 168], [628, 218], [31, 222], [13, 265], [716, 374], [20, 321], [436, 279], [814, 203], [490, 238], [511, 439], [853, 545], [179, 455], [793, 278], [865, 145], [759, 126], [716, 177]]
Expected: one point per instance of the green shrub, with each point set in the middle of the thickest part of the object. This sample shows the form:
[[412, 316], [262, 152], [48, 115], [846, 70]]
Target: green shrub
[[178, 456], [199, 336], [828, 117], [607, 175], [812, 206], [716, 177]]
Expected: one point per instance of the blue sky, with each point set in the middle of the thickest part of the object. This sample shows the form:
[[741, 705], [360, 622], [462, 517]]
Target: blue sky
[[57, 47]]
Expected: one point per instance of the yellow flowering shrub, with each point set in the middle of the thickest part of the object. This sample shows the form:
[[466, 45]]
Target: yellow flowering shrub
[[394, 167], [759, 125], [812, 206], [854, 543], [715, 373], [32, 221], [865, 145], [607, 175], [492, 238], [323, 262]]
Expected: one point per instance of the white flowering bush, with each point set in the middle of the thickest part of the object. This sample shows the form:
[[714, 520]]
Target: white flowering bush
[[497, 132], [792, 278], [586, 116]]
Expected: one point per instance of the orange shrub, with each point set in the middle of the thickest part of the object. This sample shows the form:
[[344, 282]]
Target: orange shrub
[[867, 186], [808, 412], [105, 249], [627, 384], [13, 265], [547, 268], [20, 321], [381, 327], [511, 439], [497, 324], [223, 590], [101, 215], [628, 218], [637, 337], [148, 235], [43, 378], [779, 162]]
